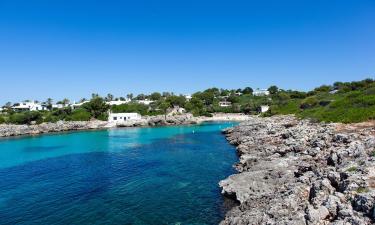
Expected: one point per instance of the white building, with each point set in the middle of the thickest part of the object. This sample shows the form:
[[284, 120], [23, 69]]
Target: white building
[[122, 117], [77, 105], [118, 102], [57, 106], [264, 108], [261, 92], [145, 102], [188, 97], [225, 104], [28, 106]]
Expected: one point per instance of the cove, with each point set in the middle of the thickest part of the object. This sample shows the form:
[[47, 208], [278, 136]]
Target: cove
[[164, 175]]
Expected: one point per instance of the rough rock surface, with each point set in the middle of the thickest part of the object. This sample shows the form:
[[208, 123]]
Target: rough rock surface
[[7, 130], [297, 172]]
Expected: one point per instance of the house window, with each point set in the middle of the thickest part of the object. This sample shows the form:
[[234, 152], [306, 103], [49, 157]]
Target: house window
[[115, 118]]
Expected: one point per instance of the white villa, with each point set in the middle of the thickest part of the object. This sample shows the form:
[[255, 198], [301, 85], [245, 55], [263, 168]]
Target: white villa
[[225, 104], [77, 105], [28, 106], [145, 102], [261, 92], [123, 117], [118, 102], [188, 97]]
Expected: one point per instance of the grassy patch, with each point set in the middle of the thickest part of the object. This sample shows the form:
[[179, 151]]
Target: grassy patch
[[362, 190], [352, 169]]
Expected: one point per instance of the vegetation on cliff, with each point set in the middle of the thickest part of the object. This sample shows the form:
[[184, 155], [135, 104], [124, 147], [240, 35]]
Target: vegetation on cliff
[[341, 102]]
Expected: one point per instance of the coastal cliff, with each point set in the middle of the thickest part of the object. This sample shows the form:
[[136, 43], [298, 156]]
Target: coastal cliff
[[297, 172]]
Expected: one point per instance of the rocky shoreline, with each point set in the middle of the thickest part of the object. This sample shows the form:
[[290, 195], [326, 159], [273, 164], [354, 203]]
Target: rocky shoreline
[[8, 130], [297, 172]]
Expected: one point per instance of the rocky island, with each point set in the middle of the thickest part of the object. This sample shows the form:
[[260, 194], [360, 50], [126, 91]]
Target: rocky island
[[298, 172]]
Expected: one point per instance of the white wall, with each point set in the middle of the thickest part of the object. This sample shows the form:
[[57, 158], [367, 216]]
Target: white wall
[[122, 117]]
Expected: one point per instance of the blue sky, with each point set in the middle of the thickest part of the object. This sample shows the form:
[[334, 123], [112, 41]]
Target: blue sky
[[71, 49]]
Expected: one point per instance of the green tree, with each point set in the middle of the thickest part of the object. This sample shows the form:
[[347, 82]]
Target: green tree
[[94, 95], [247, 90], [176, 100], [49, 103], [234, 99], [129, 96], [273, 89], [109, 97], [156, 96], [164, 106], [140, 97], [96, 107]]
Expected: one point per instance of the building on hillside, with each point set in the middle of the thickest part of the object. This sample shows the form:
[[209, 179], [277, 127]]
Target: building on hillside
[[28, 106], [188, 97], [57, 106], [238, 93], [118, 102], [123, 117], [263, 108], [225, 104], [145, 102], [77, 105], [261, 92]]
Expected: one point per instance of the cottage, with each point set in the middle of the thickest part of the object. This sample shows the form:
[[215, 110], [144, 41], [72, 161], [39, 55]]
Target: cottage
[[28, 106], [122, 117], [225, 104], [261, 92]]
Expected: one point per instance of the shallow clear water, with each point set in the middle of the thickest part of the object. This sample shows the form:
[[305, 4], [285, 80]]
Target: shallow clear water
[[165, 175]]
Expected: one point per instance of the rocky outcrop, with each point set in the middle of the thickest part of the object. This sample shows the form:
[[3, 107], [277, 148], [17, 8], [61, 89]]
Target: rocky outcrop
[[297, 172], [7, 130]]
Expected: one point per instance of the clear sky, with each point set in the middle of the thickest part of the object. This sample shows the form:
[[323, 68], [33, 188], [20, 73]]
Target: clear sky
[[72, 48]]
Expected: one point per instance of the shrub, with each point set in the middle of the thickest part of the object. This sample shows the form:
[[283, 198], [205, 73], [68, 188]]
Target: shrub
[[26, 117], [79, 115], [352, 169], [2, 120], [130, 107], [96, 107], [309, 102]]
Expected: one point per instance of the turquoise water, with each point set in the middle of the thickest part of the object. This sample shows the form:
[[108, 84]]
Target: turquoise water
[[165, 175]]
